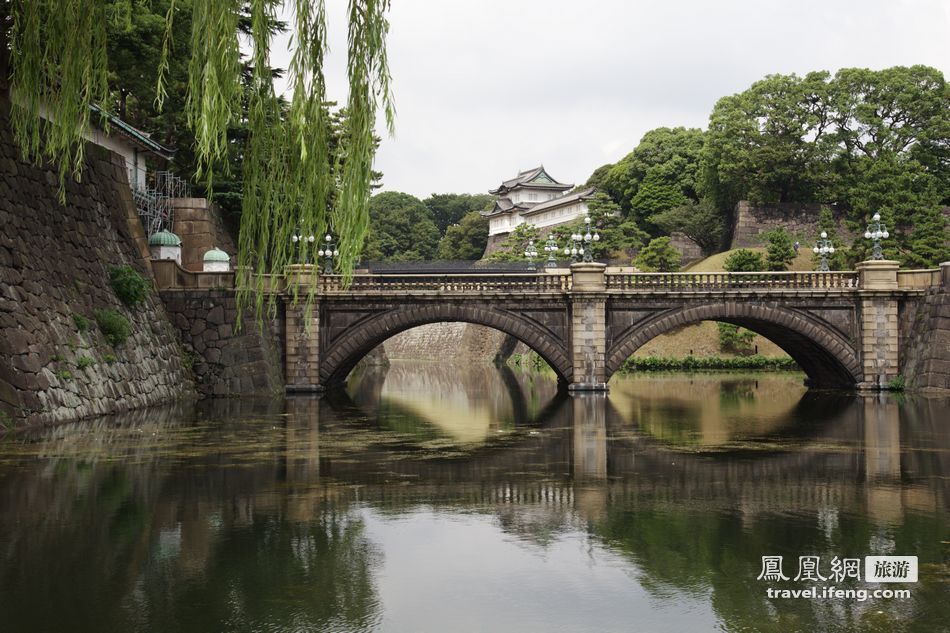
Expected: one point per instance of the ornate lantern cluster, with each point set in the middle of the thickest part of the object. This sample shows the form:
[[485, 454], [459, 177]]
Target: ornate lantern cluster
[[327, 253], [580, 243], [875, 232], [824, 248]]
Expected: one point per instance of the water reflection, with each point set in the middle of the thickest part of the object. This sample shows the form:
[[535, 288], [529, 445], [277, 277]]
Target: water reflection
[[368, 510]]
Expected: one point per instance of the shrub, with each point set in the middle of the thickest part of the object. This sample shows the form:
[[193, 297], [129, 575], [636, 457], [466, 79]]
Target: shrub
[[85, 361], [129, 286], [82, 323], [109, 358], [113, 325], [64, 374], [780, 251], [658, 256], [897, 383], [733, 338], [696, 363], [744, 261]]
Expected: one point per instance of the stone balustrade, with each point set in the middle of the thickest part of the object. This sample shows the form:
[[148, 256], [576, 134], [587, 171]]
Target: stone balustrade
[[701, 281]]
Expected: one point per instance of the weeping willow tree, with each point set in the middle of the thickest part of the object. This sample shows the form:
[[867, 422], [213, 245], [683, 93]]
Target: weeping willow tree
[[57, 66]]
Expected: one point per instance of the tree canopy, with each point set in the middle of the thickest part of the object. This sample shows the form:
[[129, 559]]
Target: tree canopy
[[466, 240], [401, 229]]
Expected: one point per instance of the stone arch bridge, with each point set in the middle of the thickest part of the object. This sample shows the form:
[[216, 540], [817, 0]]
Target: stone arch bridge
[[841, 327]]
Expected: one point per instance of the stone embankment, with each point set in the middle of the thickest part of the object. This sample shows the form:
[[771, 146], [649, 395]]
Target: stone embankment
[[55, 364]]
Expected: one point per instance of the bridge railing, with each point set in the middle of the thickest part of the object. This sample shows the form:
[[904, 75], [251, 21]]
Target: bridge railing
[[732, 281], [504, 282]]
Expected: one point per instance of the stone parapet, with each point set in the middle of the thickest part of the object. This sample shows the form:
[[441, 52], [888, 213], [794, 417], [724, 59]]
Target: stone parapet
[[878, 274]]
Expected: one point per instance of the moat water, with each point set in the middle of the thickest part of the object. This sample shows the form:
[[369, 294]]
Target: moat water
[[434, 497]]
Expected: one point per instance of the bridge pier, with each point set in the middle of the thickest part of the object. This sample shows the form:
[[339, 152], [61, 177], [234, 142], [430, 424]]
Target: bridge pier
[[302, 347], [878, 323], [588, 327]]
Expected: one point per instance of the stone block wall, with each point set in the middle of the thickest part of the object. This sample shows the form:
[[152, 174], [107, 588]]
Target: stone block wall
[[200, 227], [689, 250], [799, 219], [226, 360], [925, 341], [55, 364], [446, 341]]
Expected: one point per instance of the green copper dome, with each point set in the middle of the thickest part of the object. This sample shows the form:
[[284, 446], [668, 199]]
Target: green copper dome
[[216, 255], [164, 238]]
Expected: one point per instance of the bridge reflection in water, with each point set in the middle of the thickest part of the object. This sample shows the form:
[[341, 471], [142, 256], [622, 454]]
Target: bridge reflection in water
[[366, 509]]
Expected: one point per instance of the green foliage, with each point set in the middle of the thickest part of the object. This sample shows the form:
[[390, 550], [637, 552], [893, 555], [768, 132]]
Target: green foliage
[[866, 141], [64, 374], [113, 325], [780, 250], [449, 208], [703, 363], [743, 260], [735, 339], [60, 59], [57, 358], [402, 229], [81, 322], [109, 359], [6, 422], [660, 173], [513, 248], [85, 361], [658, 256], [699, 221], [620, 236], [897, 383], [129, 286], [465, 240]]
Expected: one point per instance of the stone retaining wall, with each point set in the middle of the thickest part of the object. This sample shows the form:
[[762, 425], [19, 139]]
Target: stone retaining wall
[[226, 360], [55, 364], [446, 341], [799, 219], [925, 339]]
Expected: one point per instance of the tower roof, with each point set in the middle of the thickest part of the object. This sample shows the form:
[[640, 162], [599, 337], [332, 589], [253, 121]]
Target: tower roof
[[536, 178]]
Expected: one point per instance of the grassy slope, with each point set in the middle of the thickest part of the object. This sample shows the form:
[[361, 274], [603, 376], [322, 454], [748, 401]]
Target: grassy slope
[[702, 339]]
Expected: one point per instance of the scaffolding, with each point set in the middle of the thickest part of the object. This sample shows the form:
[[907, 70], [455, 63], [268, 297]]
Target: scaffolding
[[153, 202]]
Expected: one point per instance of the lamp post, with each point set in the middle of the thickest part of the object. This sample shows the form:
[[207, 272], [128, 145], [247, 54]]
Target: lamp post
[[875, 232], [550, 247], [301, 241], [328, 251], [531, 252], [588, 239], [824, 248]]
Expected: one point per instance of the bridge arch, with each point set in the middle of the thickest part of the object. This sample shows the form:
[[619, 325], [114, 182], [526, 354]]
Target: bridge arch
[[342, 355], [823, 353]]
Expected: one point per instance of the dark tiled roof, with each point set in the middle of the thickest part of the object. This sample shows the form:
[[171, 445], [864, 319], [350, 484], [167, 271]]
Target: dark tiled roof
[[504, 205], [134, 134], [525, 178]]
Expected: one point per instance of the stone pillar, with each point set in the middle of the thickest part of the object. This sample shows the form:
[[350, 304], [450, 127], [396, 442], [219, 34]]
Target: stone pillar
[[191, 221], [878, 323], [588, 327], [302, 348], [945, 273]]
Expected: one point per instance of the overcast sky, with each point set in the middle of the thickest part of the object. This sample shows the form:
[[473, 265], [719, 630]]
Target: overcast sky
[[485, 88]]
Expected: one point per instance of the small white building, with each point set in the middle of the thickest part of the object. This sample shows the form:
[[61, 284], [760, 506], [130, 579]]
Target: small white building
[[535, 198], [165, 245], [216, 261], [134, 145]]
